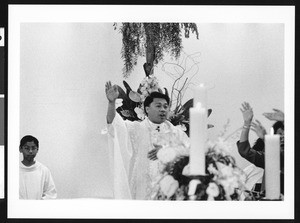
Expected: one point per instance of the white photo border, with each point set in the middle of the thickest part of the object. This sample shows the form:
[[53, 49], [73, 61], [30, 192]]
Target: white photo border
[[98, 208]]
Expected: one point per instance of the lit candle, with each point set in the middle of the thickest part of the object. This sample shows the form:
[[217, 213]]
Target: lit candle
[[200, 95], [198, 136], [272, 165]]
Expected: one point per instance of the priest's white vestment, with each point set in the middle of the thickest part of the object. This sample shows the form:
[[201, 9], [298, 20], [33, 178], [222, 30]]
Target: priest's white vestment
[[135, 175]]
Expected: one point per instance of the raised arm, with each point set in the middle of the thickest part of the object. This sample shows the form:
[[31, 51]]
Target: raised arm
[[258, 129], [112, 94], [247, 116], [277, 115], [244, 148]]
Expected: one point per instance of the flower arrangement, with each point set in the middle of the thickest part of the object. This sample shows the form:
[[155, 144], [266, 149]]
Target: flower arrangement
[[132, 107], [223, 179]]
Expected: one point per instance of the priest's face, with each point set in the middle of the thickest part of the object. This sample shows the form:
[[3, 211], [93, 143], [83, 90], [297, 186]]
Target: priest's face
[[158, 110]]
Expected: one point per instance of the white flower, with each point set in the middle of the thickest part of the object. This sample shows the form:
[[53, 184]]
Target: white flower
[[140, 113], [145, 93], [143, 97], [166, 154], [119, 102], [212, 190], [211, 169], [150, 78], [220, 165], [226, 171], [168, 185], [143, 89], [229, 185]]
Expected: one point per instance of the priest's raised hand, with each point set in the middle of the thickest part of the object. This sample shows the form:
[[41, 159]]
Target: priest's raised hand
[[112, 94], [111, 91]]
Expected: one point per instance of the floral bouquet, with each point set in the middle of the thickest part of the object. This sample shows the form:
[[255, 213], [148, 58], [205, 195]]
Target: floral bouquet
[[132, 101], [132, 108], [223, 179]]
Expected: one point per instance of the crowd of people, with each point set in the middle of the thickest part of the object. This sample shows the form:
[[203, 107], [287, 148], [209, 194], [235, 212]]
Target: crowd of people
[[135, 142]]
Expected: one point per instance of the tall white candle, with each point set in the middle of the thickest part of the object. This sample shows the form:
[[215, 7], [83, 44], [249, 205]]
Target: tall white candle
[[198, 137], [200, 95], [272, 165]]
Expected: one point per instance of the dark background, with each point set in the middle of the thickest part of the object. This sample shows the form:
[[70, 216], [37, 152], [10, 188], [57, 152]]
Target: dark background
[[3, 90], [2, 76], [3, 84]]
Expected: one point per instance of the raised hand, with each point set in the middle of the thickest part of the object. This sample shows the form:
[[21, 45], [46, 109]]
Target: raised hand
[[111, 91], [247, 113], [277, 115], [258, 129]]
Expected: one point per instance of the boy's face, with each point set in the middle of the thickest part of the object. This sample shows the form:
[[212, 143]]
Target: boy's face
[[158, 110], [29, 151]]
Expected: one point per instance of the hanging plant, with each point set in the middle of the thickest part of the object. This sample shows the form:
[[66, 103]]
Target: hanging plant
[[152, 40]]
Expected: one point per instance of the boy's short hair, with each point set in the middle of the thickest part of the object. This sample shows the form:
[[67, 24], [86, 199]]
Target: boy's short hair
[[29, 138], [153, 95]]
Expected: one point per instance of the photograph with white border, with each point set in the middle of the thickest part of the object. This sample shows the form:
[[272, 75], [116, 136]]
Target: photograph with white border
[[57, 70]]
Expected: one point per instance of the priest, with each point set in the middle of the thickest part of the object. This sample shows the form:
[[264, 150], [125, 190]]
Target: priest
[[133, 145]]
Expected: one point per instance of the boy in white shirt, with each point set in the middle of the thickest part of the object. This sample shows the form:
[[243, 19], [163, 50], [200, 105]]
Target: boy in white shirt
[[35, 182]]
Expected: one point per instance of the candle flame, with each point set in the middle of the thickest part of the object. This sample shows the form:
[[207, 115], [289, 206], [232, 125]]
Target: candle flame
[[271, 131]]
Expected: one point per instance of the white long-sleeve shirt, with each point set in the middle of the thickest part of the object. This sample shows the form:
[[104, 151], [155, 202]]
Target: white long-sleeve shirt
[[36, 182]]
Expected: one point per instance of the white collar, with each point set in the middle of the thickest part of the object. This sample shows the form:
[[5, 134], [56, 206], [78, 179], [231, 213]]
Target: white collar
[[155, 126], [29, 168]]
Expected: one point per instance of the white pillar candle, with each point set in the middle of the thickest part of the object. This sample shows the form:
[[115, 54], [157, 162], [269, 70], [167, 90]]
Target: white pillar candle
[[198, 136], [272, 165], [200, 95]]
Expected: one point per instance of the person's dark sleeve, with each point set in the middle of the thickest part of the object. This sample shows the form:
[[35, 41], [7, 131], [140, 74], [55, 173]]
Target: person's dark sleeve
[[259, 145], [253, 156]]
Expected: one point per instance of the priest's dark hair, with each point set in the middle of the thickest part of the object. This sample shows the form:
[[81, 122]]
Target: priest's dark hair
[[29, 138], [153, 95]]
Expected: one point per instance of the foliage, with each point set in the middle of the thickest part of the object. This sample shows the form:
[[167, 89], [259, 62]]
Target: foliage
[[140, 39]]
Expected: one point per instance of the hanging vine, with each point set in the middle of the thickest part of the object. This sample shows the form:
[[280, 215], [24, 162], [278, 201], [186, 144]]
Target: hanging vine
[[152, 40]]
